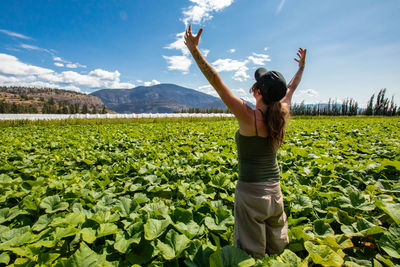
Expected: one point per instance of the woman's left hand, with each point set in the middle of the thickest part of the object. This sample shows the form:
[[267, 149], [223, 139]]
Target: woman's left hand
[[302, 57], [192, 41]]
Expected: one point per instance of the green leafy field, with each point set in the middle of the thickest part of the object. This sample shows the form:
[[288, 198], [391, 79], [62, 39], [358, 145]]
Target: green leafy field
[[161, 194]]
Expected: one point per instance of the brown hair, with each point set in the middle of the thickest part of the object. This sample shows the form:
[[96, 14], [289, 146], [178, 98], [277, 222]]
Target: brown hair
[[275, 117]]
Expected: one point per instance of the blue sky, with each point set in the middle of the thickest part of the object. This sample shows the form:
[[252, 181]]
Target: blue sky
[[353, 46]]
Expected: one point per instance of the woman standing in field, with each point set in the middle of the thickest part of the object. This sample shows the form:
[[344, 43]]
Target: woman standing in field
[[260, 221]]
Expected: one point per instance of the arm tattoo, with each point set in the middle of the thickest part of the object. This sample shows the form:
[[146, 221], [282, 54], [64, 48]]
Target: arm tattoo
[[205, 67]]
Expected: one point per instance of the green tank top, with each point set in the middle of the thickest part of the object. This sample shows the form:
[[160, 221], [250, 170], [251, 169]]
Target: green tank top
[[257, 159]]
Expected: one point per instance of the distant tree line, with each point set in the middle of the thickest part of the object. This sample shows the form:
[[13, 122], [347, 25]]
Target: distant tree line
[[6, 107], [50, 107], [379, 106], [203, 110]]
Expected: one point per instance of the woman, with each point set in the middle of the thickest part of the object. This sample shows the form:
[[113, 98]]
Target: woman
[[260, 221]]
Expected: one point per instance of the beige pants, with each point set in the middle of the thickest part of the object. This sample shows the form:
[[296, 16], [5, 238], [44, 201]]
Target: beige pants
[[260, 220]]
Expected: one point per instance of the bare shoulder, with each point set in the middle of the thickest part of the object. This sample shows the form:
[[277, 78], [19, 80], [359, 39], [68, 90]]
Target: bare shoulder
[[246, 121]]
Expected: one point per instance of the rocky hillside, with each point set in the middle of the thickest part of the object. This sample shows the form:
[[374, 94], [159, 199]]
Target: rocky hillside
[[38, 100]]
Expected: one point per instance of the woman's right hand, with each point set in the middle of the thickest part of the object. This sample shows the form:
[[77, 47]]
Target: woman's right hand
[[192, 41], [302, 57]]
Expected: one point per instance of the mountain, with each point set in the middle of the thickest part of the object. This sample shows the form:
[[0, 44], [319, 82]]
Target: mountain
[[161, 98], [17, 99]]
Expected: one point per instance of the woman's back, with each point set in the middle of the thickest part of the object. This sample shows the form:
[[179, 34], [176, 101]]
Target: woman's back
[[256, 156]]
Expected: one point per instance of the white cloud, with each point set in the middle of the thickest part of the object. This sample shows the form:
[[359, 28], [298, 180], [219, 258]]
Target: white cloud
[[308, 92], [259, 59], [15, 34], [58, 64], [15, 72], [71, 66], [309, 96], [266, 48], [241, 74], [228, 64], [201, 10], [139, 81], [198, 12], [278, 10], [181, 63], [153, 82], [205, 52], [233, 50], [207, 89], [59, 59], [10, 65], [179, 44], [68, 64]]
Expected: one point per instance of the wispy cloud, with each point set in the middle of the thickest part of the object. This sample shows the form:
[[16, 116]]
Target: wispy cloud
[[60, 59], [15, 72], [34, 47], [59, 62], [281, 4], [15, 34], [259, 59], [232, 50]]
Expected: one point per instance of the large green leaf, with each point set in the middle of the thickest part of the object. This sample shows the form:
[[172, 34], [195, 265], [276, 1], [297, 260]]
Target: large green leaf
[[42, 222], [291, 258], [104, 217], [15, 237], [173, 245], [190, 229], [154, 228], [84, 257], [324, 255], [123, 242], [53, 204], [88, 235], [393, 210], [126, 206], [231, 256], [4, 258], [300, 203], [142, 253], [106, 229], [7, 214], [322, 228], [390, 242]]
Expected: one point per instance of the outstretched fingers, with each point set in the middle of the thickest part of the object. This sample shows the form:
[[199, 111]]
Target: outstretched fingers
[[199, 34]]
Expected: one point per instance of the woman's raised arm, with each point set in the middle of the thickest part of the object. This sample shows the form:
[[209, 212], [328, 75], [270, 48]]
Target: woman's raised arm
[[235, 104], [294, 82]]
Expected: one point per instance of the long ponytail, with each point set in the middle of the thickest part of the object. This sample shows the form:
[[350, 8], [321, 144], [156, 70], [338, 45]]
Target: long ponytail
[[275, 122], [275, 118]]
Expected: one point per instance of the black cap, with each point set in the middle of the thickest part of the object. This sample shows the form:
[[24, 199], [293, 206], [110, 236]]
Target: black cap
[[271, 84]]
